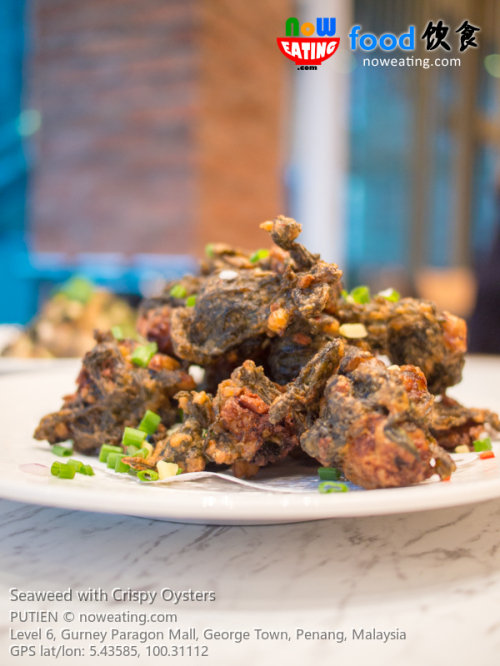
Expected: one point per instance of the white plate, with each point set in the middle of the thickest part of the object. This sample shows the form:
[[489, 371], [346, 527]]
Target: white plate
[[11, 364], [27, 396]]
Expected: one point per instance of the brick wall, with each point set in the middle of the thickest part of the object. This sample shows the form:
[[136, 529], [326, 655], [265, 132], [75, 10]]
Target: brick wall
[[243, 119], [161, 122], [116, 82]]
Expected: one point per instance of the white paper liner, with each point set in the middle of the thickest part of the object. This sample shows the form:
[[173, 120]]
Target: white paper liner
[[287, 477]]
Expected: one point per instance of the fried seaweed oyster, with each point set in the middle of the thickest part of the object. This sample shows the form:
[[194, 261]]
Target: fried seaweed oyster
[[238, 305], [184, 443], [373, 424], [301, 398], [153, 322], [411, 332], [290, 352], [454, 425], [113, 393], [242, 434]]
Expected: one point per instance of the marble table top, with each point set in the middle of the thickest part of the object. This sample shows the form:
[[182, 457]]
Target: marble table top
[[433, 575]]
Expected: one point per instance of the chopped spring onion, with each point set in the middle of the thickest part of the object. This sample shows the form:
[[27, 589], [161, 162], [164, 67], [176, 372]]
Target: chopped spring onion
[[106, 449], [191, 301], [353, 331], [88, 471], [121, 467], [147, 475], [180, 415], [332, 487], [361, 294], [133, 437], [209, 250], [150, 422], [78, 288], [259, 255], [62, 451], [76, 464], [178, 291], [166, 469], [63, 471], [390, 295], [67, 472], [143, 354], [117, 332], [131, 450], [112, 458], [346, 296], [482, 445], [141, 453], [132, 472], [179, 471], [329, 473]]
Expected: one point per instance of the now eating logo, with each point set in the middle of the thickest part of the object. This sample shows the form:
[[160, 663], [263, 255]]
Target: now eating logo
[[309, 50]]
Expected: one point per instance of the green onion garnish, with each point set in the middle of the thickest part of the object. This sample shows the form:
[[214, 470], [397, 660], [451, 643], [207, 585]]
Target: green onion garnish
[[180, 415], [141, 453], [258, 256], [87, 470], [331, 487], [62, 451], [179, 471], [76, 464], [390, 295], [143, 354], [209, 250], [132, 472], [63, 471], [329, 473], [131, 450], [117, 332], [482, 445], [133, 437], [191, 301], [111, 461], [121, 467], [178, 291], [150, 422], [361, 294], [67, 472], [106, 449], [147, 475], [344, 294]]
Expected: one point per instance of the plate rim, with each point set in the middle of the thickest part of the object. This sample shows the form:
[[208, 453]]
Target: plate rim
[[220, 507]]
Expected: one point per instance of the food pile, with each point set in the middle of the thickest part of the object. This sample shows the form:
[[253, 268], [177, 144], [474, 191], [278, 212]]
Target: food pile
[[64, 327], [292, 366]]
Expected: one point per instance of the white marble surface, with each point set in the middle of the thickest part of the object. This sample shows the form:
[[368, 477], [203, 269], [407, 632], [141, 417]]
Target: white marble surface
[[434, 575]]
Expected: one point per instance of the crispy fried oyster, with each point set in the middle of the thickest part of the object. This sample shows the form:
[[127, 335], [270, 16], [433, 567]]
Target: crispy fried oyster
[[184, 443], [411, 332], [242, 434], [302, 397], [372, 425], [113, 393], [454, 425], [271, 323]]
